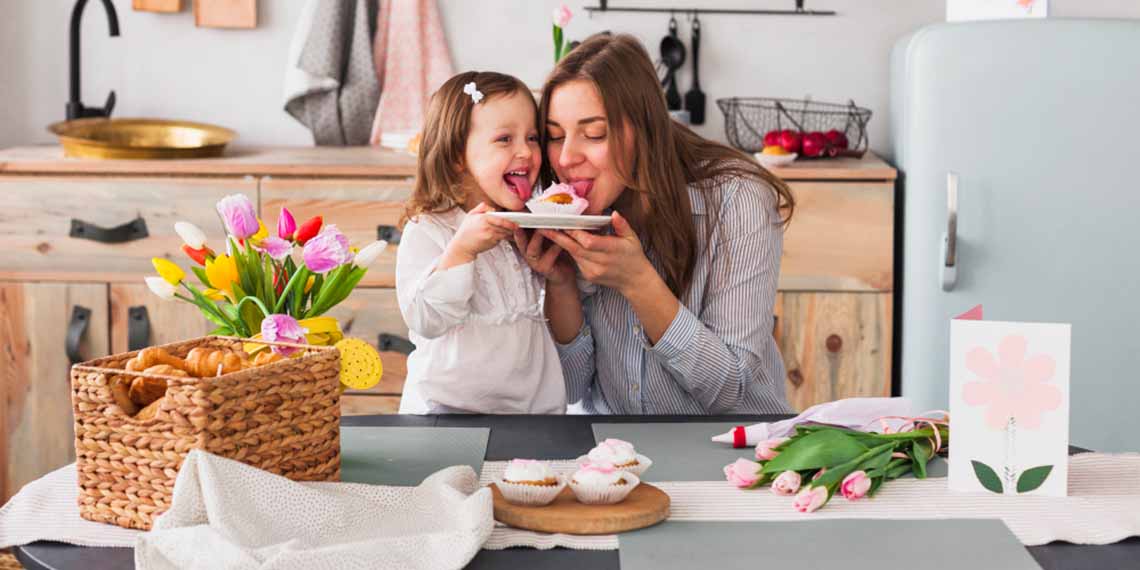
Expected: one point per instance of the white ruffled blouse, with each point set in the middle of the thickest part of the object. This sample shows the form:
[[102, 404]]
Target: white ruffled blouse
[[482, 343]]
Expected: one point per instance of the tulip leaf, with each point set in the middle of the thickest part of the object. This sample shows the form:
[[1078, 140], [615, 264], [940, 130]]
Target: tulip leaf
[[987, 477], [920, 453], [816, 450], [1033, 478], [201, 273]]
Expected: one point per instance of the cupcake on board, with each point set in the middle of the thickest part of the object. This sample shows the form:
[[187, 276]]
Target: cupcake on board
[[620, 454], [530, 482], [602, 484]]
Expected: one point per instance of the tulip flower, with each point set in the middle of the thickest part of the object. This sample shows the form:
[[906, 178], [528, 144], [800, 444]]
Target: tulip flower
[[286, 225], [283, 328], [327, 251], [787, 483], [368, 255], [810, 499], [160, 287], [855, 485], [308, 230], [198, 255], [743, 473], [168, 270], [764, 451], [276, 247], [562, 16], [191, 235], [222, 273], [260, 235], [238, 215]]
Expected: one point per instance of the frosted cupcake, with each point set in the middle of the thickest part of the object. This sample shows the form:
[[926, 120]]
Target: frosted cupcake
[[558, 199], [530, 482], [621, 454], [602, 484]]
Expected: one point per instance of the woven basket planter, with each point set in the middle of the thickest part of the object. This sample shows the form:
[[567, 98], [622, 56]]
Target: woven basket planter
[[282, 417]]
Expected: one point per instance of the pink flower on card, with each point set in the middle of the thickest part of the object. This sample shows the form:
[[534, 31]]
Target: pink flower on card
[[1011, 385]]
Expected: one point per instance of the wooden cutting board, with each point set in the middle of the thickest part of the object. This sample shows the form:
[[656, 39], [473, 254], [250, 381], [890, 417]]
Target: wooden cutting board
[[645, 506], [166, 6], [225, 13]]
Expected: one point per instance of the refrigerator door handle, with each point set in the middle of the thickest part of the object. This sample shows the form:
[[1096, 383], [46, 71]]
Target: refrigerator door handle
[[949, 258]]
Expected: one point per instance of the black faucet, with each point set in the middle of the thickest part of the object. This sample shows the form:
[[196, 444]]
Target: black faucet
[[75, 107]]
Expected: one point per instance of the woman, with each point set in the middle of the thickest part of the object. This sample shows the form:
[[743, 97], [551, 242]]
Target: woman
[[674, 315]]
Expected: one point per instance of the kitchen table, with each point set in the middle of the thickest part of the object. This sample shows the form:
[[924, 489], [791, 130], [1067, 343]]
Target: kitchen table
[[550, 437]]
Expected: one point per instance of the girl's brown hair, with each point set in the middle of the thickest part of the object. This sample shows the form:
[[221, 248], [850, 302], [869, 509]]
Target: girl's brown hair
[[439, 176], [667, 156]]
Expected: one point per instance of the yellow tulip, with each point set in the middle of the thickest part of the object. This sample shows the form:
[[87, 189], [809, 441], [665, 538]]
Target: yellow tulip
[[309, 283], [213, 294], [261, 234], [222, 273], [168, 270]]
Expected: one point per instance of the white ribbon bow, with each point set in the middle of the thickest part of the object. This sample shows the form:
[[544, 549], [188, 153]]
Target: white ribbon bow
[[475, 93]]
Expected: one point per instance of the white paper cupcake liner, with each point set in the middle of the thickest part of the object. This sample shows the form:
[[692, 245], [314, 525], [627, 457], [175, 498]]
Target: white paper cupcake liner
[[531, 495], [643, 464], [537, 206], [604, 494]]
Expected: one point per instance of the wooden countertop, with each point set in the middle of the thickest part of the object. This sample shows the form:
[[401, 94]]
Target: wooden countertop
[[326, 162]]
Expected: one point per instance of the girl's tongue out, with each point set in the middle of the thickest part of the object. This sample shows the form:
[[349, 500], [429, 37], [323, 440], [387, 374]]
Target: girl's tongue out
[[519, 184]]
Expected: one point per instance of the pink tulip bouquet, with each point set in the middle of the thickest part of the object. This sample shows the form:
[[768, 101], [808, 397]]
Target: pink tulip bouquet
[[821, 461]]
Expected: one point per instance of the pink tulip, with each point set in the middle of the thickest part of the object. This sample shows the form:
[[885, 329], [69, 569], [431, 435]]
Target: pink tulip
[[562, 16], [743, 473], [276, 247], [286, 225], [238, 215], [764, 451], [283, 328], [787, 483], [855, 486], [810, 499], [327, 251]]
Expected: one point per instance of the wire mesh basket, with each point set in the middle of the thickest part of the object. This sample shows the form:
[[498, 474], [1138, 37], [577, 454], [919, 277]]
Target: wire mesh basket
[[748, 119]]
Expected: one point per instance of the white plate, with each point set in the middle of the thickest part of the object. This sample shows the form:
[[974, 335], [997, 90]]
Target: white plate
[[775, 160], [554, 221]]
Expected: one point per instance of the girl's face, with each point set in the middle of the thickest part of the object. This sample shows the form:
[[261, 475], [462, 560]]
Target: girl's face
[[502, 157], [578, 144]]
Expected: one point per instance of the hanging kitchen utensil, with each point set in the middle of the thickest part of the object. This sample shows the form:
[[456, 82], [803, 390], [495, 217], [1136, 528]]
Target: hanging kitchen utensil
[[225, 13], [695, 98], [673, 54]]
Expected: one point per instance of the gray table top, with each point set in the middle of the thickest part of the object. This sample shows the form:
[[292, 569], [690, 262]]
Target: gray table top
[[549, 437]]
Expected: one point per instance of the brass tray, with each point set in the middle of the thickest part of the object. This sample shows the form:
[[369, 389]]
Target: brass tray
[[140, 138]]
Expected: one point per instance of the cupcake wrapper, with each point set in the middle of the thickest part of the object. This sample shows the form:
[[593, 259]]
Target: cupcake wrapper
[[550, 208], [643, 464], [531, 495], [607, 494]]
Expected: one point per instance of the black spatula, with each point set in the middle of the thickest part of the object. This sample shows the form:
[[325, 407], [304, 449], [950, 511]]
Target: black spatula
[[695, 98]]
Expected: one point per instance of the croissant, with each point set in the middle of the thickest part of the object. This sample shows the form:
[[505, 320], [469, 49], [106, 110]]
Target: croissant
[[120, 392], [146, 390], [149, 411], [151, 356], [210, 362], [266, 357]]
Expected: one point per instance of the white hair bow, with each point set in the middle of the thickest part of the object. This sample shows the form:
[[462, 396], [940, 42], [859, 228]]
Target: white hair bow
[[474, 92]]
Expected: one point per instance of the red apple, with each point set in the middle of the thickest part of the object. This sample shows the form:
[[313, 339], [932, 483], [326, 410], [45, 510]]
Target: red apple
[[772, 138], [837, 139], [814, 144], [790, 140]]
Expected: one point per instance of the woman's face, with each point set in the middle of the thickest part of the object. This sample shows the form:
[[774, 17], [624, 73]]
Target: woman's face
[[579, 146]]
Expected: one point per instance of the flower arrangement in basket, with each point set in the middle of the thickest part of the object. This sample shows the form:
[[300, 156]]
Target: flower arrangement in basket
[[820, 461], [256, 289]]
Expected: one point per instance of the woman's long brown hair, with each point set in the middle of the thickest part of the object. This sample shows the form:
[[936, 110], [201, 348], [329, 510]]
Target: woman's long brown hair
[[667, 156], [439, 173]]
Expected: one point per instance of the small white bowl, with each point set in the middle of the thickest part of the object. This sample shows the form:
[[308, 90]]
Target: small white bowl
[[775, 160]]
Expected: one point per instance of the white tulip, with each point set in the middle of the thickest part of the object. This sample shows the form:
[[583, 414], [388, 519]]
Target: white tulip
[[191, 235], [161, 288], [368, 255]]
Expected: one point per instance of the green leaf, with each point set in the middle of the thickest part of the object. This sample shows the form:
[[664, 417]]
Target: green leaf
[[201, 274], [1033, 478], [816, 450], [835, 474], [987, 477], [920, 453], [223, 331]]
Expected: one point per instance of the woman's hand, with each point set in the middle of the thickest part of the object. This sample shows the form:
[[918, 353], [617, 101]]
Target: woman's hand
[[478, 233], [617, 261], [551, 264]]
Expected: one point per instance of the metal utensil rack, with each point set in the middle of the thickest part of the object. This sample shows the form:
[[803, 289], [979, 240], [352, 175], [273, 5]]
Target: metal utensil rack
[[604, 6]]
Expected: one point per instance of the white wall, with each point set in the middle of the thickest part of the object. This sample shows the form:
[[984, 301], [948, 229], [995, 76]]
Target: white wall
[[163, 66]]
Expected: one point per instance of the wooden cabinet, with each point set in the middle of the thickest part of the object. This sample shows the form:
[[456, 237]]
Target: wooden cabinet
[[35, 318]]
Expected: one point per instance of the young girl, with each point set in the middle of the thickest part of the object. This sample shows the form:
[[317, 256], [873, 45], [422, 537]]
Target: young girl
[[472, 304]]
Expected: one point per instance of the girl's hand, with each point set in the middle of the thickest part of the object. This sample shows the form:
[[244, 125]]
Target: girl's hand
[[617, 261], [550, 263], [478, 233]]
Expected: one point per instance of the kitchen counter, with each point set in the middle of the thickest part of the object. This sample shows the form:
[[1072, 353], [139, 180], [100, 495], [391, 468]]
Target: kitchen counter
[[324, 162]]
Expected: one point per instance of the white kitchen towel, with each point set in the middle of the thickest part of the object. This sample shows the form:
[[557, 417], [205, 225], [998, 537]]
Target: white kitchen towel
[[853, 413]]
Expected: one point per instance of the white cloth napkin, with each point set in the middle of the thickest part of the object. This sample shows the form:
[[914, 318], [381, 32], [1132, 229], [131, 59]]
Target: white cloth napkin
[[854, 413]]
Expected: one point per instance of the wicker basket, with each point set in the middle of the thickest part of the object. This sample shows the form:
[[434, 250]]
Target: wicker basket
[[282, 417]]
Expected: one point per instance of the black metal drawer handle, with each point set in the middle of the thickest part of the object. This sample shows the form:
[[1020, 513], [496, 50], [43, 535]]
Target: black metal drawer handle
[[138, 328], [80, 318], [390, 234], [130, 231], [392, 343]]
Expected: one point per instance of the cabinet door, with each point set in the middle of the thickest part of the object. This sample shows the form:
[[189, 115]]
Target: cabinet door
[[374, 315], [364, 210], [104, 229], [36, 424], [835, 345], [134, 308]]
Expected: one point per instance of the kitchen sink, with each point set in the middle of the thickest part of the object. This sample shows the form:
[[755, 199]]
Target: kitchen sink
[[138, 138]]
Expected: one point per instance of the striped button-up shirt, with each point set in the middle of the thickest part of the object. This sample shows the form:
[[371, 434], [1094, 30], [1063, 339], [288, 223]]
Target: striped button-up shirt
[[718, 355]]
